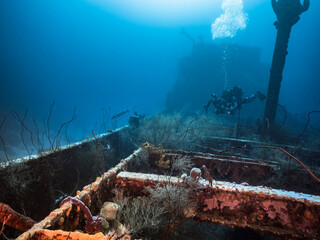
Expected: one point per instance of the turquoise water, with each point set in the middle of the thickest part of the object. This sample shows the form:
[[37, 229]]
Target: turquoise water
[[126, 55]]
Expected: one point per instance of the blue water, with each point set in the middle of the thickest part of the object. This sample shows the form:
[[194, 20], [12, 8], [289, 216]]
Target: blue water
[[122, 55]]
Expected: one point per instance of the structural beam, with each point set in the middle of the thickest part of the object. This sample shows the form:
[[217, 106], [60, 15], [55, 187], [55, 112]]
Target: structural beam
[[286, 214]]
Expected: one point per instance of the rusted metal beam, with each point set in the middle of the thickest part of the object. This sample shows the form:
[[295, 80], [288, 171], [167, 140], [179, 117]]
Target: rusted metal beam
[[64, 235], [286, 214], [309, 155], [57, 219], [29, 181], [13, 219], [223, 167]]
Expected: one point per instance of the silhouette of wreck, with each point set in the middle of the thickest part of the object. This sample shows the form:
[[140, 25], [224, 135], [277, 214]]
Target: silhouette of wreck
[[213, 68]]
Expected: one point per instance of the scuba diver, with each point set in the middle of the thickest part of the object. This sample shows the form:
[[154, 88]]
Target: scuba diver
[[231, 100]]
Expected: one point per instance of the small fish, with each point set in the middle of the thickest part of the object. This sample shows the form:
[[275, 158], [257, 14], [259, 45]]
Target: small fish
[[119, 114]]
